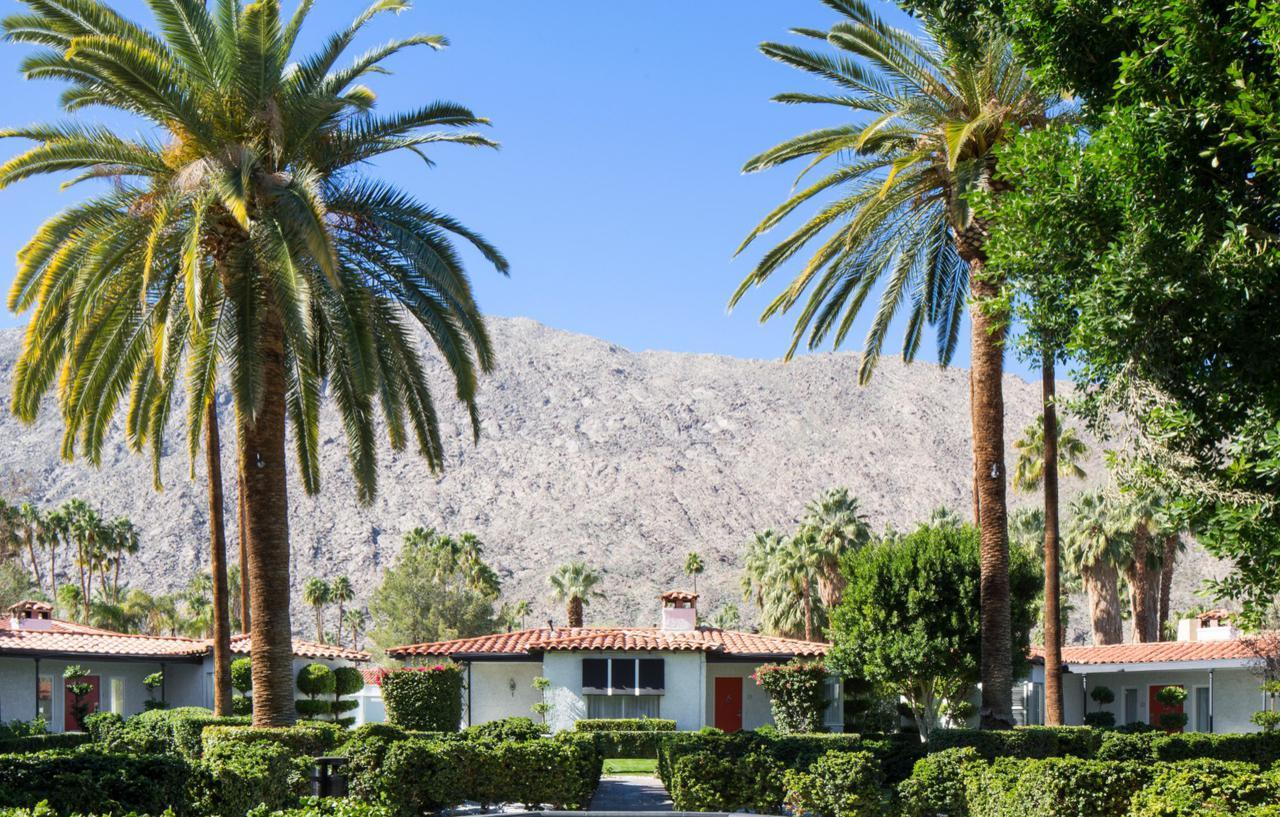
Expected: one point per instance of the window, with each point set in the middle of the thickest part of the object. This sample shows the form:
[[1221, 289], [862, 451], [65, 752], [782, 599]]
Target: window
[[623, 676], [1131, 705], [1203, 710], [117, 696], [1035, 715], [44, 698], [833, 715], [595, 675], [624, 706], [653, 675]]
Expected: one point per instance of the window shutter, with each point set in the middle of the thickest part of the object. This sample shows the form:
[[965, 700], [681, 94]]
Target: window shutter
[[624, 675], [653, 675], [595, 675]]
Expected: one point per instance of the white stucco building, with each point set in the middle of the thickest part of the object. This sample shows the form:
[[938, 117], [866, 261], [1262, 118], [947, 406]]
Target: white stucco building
[[35, 648], [696, 676], [1219, 667]]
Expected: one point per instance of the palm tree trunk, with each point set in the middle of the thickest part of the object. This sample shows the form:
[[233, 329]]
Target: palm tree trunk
[[263, 475], [989, 474], [319, 624], [338, 629], [244, 557], [1102, 584], [1052, 580], [218, 567], [575, 612], [1167, 562], [35, 563], [977, 498], [1143, 581], [808, 612]]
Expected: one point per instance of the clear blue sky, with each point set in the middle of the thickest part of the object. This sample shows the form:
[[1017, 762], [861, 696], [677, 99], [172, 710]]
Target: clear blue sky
[[616, 195]]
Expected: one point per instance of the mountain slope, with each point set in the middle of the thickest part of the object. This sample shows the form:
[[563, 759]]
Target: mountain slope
[[627, 460]]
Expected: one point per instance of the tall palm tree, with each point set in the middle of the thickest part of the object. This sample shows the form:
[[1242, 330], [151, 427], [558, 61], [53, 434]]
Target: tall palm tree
[[693, 567], [839, 527], [920, 136], [33, 529], [126, 540], [1042, 458], [317, 593], [1094, 547], [1146, 519], [354, 620], [796, 571], [245, 225], [87, 532], [574, 584], [341, 593]]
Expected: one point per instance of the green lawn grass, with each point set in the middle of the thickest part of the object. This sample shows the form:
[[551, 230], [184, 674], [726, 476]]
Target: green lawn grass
[[630, 766]]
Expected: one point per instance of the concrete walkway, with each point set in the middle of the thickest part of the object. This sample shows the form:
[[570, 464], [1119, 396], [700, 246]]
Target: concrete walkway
[[630, 793]]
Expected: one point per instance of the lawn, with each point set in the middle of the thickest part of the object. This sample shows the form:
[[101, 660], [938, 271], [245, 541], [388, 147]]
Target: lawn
[[630, 766]]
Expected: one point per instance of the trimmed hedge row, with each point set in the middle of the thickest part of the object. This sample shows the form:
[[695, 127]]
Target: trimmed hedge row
[[309, 739], [44, 743], [158, 731], [625, 725], [96, 782], [1024, 742]]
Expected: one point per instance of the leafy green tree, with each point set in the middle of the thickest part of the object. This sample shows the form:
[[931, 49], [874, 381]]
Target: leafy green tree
[[574, 585], [918, 139], [316, 594], [245, 227], [15, 585], [425, 596], [693, 567], [908, 618]]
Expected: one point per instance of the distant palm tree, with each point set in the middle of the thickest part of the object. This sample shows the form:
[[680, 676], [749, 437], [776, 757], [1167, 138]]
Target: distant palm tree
[[245, 222], [1144, 516], [1028, 469], [316, 593], [353, 620], [930, 124], [341, 593], [33, 527], [512, 616], [1094, 547], [693, 567], [727, 618], [126, 540], [839, 528], [574, 584], [70, 601]]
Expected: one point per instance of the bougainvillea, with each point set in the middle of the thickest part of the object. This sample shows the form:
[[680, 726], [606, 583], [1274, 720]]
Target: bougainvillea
[[797, 693], [425, 699]]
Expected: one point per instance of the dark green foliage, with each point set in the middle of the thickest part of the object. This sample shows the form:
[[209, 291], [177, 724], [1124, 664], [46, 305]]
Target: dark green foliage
[[315, 680], [326, 807], [242, 675], [796, 694], [236, 776], [365, 750], [624, 725], [937, 785], [347, 681], [101, 726], [1024, 742], [839, 784], [79, 689], [94, 782], [427, 700], [908, 618], [1100, 720], [43, 743], [304, 740], [1052, 787], [1206, 788], [612, 744], [166, 731], [506, 729]]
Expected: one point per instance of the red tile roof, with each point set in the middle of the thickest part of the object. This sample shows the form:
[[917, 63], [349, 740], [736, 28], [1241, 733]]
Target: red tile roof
[[304, 649], [530, 642], [1160, 652]]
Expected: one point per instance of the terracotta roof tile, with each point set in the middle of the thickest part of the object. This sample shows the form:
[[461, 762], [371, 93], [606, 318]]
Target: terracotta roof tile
[[679, 595], [1160, 652], [529, 642], [67, 637], [304, 649]]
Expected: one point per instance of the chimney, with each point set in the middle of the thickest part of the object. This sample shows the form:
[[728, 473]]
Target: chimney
[[679, 611], [31, 615], [1214, 625]]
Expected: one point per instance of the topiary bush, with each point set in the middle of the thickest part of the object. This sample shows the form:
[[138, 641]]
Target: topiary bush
[[426, 700], [242, 682], [103, 726], [347, 681], [316, 681], [937, 784], [990, 744], [303, 739], [797, 694], [95, 782], [1052, 787], [839, 784], [1172, 696], [166, 731]]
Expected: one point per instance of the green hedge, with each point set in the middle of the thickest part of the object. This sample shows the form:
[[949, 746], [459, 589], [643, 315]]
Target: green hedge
[[1053, 787], [1208, 788], [506, 729], [324, 807], [643, 745], [839, 784], [937, 784], [624, 725], [162, 731], [304, 739], [94, 782], [428, 699], [44, 743], [235, 777], [1024, 742], [1259, 747]]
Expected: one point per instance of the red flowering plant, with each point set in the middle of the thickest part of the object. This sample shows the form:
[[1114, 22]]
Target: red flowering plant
[[797, 694]]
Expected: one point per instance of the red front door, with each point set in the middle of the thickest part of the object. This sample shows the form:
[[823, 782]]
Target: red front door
[[68, 705], [729, 704], [1157, 708]]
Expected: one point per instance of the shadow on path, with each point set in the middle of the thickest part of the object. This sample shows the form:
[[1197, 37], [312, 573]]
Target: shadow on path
[[630, 793]]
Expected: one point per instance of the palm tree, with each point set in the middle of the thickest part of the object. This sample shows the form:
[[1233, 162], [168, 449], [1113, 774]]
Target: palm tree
[[245, 228], [693, 567], [1094, 547], [1144, 517], [574, 584], [726, 618], [1041, 459], [126, 540], [839, 527], [354, 620], [801, 561], [316, 592], [1172, 548], [35, 536], [925, 138], [341, 593], [87, 531]]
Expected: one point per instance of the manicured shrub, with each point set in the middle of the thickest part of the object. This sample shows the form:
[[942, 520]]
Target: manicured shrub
[[625, 725], [627, 744], [303, 740], [94, 782], [990, 744], [165, 731], [506, 729], [365, 750], [44, 743], [79, 690], [242, 682], [428, 699], [839, 784], [1052, 787], [1205, 788], [235, 777], [347, 681], [937, 785], [23, 729], [1172, 696], [325, 807], [1137, 746], [703, 781], [316, 681], [797, 694], [102, 726], [1100, 720]]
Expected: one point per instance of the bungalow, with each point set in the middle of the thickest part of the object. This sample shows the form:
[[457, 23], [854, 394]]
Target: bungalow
[[1219, 667], [695, 675], [35, 648]]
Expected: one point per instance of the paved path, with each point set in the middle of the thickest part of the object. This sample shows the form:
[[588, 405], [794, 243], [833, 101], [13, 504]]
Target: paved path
[[630, 793]]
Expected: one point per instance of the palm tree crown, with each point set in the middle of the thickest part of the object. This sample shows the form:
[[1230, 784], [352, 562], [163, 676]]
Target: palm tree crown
[[1028, 470], [575, 585]]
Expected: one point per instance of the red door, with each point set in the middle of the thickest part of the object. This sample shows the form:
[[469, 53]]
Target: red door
[[729, 704], [69, 718], [1158, 708]]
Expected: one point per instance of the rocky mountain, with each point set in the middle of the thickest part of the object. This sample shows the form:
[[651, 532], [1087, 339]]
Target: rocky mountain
[[625, 459]]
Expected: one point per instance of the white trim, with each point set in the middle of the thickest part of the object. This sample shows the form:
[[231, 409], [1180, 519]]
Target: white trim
[[1159, 666]]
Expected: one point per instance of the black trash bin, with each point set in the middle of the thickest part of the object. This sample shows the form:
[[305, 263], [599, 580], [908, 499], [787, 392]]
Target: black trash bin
[[329, 778]]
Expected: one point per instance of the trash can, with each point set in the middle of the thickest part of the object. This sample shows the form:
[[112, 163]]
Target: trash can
[[328, 777]]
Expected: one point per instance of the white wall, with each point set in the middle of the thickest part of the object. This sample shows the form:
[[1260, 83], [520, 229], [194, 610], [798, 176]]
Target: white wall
[[684, 700], [501, 689], [1235, 695], [756, 711]]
